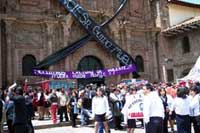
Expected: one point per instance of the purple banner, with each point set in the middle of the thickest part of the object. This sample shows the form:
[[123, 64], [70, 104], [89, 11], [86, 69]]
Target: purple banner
[[86, 74]]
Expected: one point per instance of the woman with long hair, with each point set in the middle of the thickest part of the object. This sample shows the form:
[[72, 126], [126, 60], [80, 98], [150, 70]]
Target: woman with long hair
[[164, 98], [100, 109]]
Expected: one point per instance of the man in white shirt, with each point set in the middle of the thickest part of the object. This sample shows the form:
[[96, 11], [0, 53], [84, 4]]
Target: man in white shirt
[[63, 100], [195, 109], [153, 110]]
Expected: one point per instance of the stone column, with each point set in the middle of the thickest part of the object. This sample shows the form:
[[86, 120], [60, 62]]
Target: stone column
[[10, 63], [49, 46], [67, 24], [66, 36], [116, 37], [128, 45], [66, 33], [155, 55]]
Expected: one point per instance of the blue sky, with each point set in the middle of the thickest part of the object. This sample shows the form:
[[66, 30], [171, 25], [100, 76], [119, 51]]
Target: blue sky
[[192, 1]]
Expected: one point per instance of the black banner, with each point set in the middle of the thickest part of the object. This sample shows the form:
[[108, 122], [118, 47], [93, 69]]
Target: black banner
[[96, 31], [62, 53]]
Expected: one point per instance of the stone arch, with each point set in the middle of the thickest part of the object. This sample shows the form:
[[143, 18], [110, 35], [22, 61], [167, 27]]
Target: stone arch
[[28, 63], [88, 63], [140, 63]]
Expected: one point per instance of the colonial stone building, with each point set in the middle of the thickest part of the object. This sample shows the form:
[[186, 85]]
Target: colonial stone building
[[31, 30], [179, 40]]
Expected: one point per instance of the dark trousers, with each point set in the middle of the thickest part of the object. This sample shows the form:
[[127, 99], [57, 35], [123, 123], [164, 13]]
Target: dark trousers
[[155, 125], [73, 119], [20, 128], [196, 124], [142, 122], [117, 121], [10, 126], [30, 127], [183, 123], [165, 124], [63, 111]]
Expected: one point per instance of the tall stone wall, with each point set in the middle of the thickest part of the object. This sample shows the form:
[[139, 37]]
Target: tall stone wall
[[183, 62], [41, 27]]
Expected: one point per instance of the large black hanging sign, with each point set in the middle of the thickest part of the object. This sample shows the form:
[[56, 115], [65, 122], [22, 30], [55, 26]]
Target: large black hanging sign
[[62, 53], [96, 31]]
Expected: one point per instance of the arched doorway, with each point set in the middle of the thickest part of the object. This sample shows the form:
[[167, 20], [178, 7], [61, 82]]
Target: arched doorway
[[88, 63], [28, 63]]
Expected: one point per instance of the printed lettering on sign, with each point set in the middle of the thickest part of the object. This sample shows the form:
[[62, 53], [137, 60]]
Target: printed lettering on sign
[[93, 31], [96, 31]]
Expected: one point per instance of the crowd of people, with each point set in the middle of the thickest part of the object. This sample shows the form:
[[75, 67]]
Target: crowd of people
[[161, 105]]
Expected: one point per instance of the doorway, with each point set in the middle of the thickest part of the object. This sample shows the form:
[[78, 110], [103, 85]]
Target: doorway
[[89, 63]]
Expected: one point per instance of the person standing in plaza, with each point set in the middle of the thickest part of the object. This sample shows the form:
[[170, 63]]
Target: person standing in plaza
[[30, 112], [129, 122], [53, 99], [171, 95], [85, 107], [100, 109], [40, 104], [9, 114], [153, 110], [63, 99], [116, 99], [73, 108], [164, 98], [182, 110], [20, 111], [195, 108], [47, 104]]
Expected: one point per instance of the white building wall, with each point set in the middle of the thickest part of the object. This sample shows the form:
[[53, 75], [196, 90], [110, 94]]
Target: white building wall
[[178, 13]]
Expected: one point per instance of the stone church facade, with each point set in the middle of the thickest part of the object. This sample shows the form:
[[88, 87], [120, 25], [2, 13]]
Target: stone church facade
[[34, 29]]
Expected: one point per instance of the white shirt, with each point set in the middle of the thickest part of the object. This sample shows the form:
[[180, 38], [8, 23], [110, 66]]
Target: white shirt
[[63, 100], [195, 106], [153, 106], [170, 102], [132, 105], [181, 106], [100, 105], [116, 97], [58, 93]]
